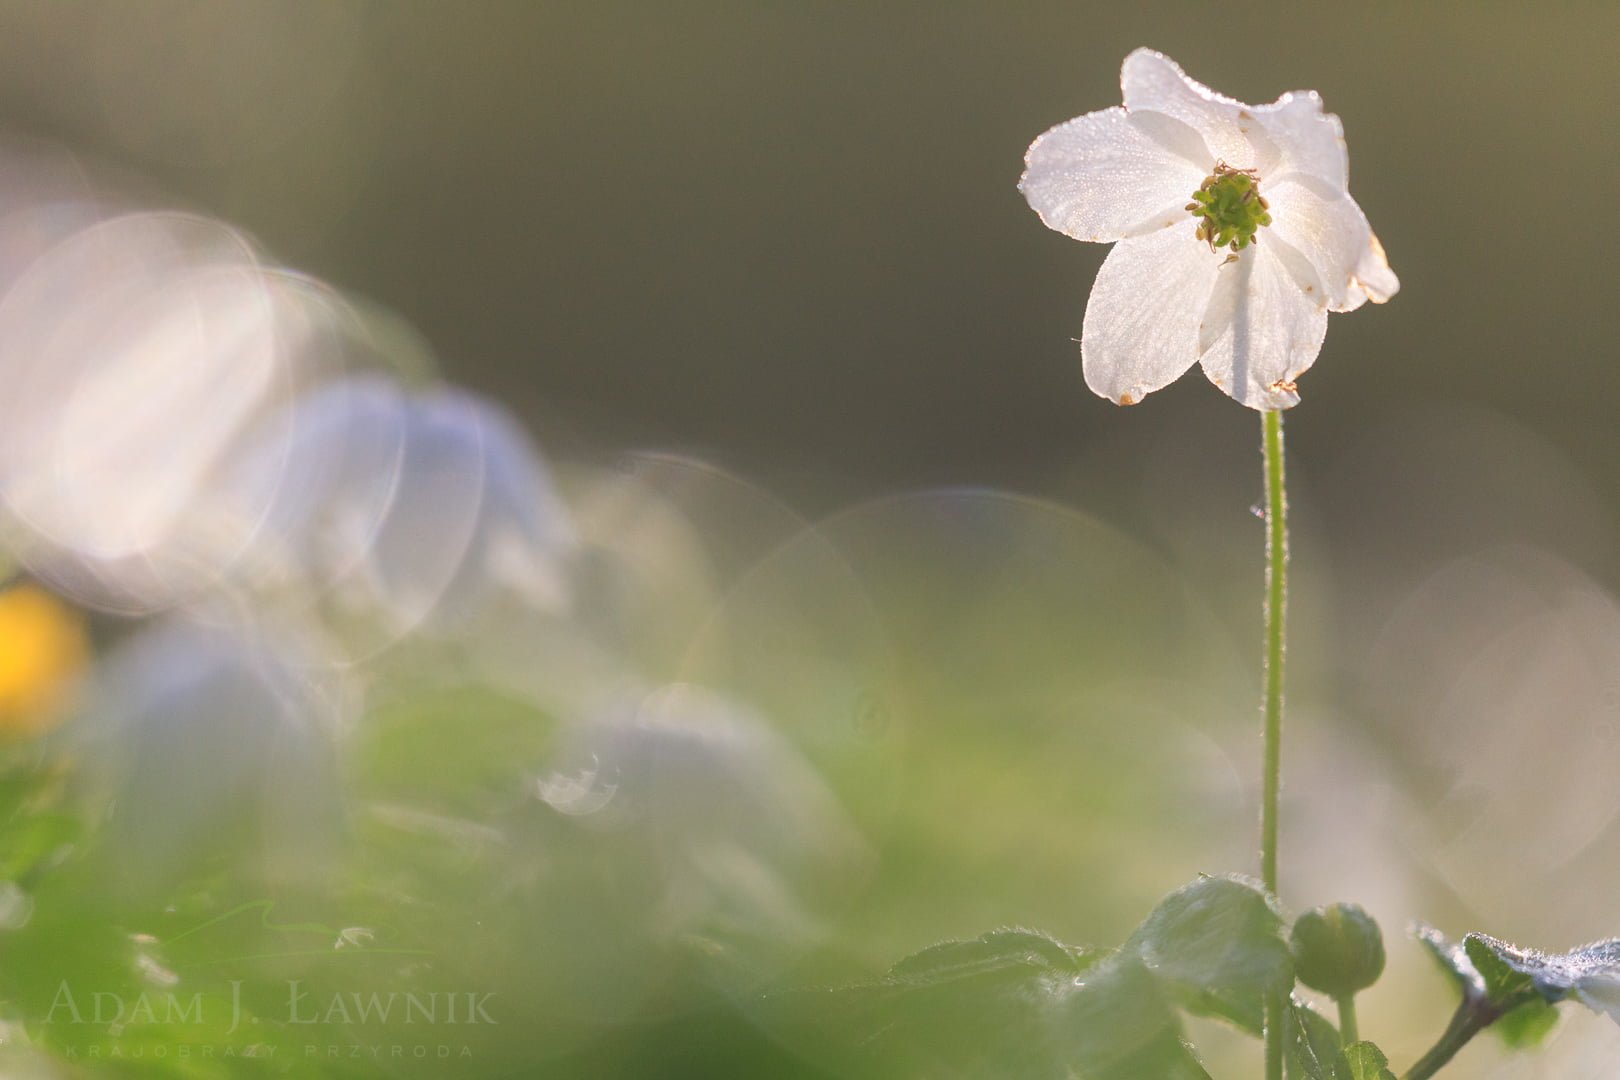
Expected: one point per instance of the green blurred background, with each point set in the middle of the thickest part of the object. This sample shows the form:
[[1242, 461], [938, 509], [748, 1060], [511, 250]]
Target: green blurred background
[[786, 239]]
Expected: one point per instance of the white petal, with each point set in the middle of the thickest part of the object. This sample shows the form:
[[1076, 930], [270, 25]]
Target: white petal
[[1262, 330], [1306, 140], [1600, 993], [1373, 274], [1328, 229], [1152, 82], [1102, 177], [1141, 330]]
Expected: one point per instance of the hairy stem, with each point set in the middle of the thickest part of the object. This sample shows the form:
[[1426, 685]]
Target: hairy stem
[[1275, 617], [1271, 771], [1471, 1018]]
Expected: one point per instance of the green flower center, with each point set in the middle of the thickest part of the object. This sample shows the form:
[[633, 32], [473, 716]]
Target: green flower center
[[1229, 208]]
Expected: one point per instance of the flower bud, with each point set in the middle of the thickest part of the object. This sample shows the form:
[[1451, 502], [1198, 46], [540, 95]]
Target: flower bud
[[1338, 949]]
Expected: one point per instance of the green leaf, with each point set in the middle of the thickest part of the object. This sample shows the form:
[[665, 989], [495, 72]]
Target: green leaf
[[1011, 1003], [1504, 982], [33, 842], [1218, 947], [1366, 1062], [1117, 1025], [1311, 1048], [38, 824], [1019, 1003], [1520, 986], [1453, 960], [1513, 975], [464, 751], [1524, 1027], [999, 949]]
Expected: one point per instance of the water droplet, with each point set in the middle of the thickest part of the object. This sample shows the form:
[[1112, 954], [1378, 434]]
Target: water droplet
[[580, 793]]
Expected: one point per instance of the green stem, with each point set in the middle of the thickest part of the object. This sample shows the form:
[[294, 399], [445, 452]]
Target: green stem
[[1349, 1030], [1271, 773], [1276, 1034], [1276, 614], [1471, 1018]]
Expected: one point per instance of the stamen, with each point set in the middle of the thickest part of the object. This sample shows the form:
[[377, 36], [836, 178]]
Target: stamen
[[1229, 208]]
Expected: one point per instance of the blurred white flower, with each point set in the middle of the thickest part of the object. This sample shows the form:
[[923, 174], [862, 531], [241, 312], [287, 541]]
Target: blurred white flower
[[214, 751], [1236, 234], [738, 831], [135, 353], [396, 513]]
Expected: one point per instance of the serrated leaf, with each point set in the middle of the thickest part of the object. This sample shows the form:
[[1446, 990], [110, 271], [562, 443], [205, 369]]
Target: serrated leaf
[[1524, 1027], [1503, 981], [1366, 1062], [1311, 1048], [1011, 1003], [1217, 945], [1590, 974], [1453, 960]]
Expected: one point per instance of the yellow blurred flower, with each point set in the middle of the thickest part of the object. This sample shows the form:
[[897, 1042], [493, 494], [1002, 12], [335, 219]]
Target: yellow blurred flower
[[42, 650]]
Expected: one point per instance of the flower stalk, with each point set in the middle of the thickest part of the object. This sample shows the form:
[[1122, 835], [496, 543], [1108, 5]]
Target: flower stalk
[[1471, 1018], [1349, 1030], [1275, 625], [1276, 620]]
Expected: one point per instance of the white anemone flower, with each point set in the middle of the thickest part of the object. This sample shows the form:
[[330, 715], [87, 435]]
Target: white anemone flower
[[1233, 227]]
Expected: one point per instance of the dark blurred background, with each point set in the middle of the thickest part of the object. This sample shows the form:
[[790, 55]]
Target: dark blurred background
[[788, 235]]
